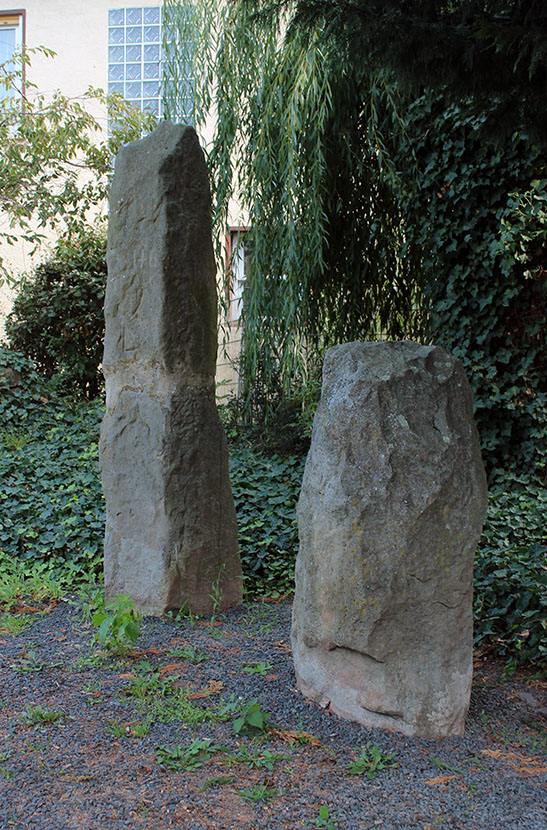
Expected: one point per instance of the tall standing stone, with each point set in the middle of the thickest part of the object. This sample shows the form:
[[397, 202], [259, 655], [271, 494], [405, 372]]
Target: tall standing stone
[[171, 535], [390, 514]]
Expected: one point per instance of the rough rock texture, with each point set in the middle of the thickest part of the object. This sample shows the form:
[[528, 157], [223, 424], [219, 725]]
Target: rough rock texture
[[171, 533], [391, 511]]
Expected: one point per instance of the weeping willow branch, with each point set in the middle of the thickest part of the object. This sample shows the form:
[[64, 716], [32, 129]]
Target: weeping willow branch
[[301, 141]]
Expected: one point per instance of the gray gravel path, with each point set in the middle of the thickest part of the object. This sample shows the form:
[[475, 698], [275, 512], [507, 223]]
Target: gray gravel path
[[91, 769]]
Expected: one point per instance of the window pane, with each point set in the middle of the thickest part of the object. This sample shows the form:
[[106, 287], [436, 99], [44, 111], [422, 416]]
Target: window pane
[[151, 89], [133, 16], [152, 15], [132, 54], [115, 35], [133, 34], [151, 34], [151, 52], [116, 87], [7, 43], [115, 17], [115, 54], [115, 72], [151, 70], [133, 90], [152, 105], [133, 71]]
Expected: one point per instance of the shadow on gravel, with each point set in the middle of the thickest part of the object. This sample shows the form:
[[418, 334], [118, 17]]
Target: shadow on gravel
[[201, 727]]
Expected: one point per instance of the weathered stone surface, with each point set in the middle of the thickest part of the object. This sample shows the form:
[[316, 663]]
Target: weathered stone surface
[[390, 513], [170, 519]]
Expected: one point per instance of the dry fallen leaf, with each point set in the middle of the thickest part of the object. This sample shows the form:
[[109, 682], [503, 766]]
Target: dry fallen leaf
[[212, 688], [439, 779], [296, 736], [527, 765], [170, 668]]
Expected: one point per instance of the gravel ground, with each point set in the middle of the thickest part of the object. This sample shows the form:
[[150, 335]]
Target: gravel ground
[[92, 769]]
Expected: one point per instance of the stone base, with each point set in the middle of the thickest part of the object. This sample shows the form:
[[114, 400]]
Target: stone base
[[359, 688]]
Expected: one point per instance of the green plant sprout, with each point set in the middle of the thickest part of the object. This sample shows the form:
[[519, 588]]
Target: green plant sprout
[[440, 764], [253, 759], [258, 668], [118, 623], [324, 819], [36, 715], [216, 593], [372, 760], [251, 719], [14, 624], [217, 782], [189, 654], [258, 793], [192, 756]]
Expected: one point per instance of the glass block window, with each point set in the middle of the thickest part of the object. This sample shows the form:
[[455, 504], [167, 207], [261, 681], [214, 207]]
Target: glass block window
[[135, 55]]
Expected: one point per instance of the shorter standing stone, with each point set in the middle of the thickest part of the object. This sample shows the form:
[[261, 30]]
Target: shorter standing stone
[[390, 514], [171, 534]]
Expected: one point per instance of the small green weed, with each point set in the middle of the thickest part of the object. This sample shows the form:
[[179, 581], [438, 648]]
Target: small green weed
[[189, 654], [33, 584], [149, 687], [29, 663], [440, 764], [144, 668], [141, 729], [115, 727], [14, 624], [372, 760], [40, 746], [324, 819], [89, 599], [192, 756], [253, 759], [184, 613], [36, 715], [218, 782], [90, 661], [175, 708], [251, 719], [216, 594], [118, 624], [258, 793], [257, 668]]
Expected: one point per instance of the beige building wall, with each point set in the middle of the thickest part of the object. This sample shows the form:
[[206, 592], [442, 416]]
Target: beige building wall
[[78, 32]]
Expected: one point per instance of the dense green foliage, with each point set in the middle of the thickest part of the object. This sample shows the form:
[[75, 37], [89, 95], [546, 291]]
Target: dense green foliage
[[57, 317], [52, 514], [266, 488], [510, 606], [478, 215], [51, 503], [478, 48], [375, 213]]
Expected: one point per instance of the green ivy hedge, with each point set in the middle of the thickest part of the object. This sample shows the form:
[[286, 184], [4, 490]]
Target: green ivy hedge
[[477, 213], [51, 503]]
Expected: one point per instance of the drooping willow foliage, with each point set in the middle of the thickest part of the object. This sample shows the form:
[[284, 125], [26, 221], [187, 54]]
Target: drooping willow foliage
[[299, 142]]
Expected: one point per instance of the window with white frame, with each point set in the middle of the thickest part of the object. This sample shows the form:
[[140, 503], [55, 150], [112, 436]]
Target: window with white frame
[[11, 39], [135, 44], [239, 257]]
